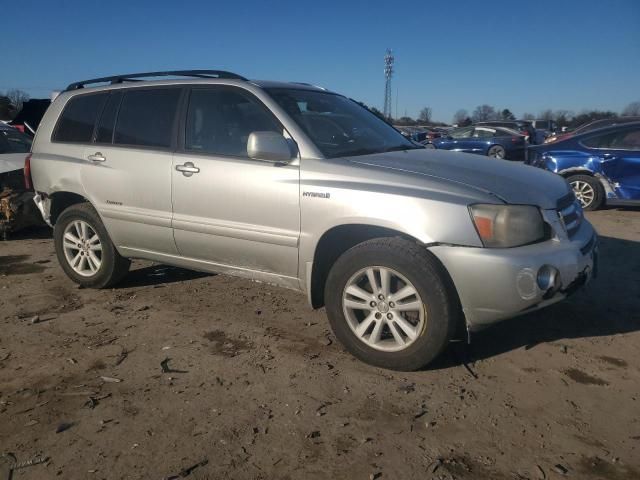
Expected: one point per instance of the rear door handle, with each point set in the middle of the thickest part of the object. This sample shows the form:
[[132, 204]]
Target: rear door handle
[[187, 169], [97, 157], [607, 157]]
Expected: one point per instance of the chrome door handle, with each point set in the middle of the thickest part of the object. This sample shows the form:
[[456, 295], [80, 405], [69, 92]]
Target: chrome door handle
[[187, 169], [97, 157], [607, 157]]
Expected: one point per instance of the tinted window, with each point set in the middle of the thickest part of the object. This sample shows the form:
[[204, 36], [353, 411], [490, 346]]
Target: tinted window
[[599, 141], [629, 140], [13, 141], [146, 117], [104, 133], [625, 140], [78, 118], [220, 121]]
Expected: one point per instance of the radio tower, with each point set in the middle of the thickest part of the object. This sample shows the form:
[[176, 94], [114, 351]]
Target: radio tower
[[388, 73]]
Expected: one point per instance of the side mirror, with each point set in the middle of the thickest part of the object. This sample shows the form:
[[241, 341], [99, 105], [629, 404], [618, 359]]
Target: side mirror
[[270, 146]]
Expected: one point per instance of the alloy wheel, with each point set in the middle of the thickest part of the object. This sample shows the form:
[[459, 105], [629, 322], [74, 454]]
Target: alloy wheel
[[82, 248], [496, 152], [383, 309], [583, 192]]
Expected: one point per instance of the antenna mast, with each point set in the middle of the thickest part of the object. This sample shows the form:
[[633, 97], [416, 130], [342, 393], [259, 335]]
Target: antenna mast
[[388, 73]]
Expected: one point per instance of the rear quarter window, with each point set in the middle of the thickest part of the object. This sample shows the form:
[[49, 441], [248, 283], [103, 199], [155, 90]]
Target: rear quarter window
[[600, 141], [621, 140], [77, 122]]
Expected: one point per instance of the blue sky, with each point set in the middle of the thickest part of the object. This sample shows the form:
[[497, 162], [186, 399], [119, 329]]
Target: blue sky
[[526, 55]]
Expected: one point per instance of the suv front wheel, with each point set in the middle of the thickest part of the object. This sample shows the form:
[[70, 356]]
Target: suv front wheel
[[85, 250], [391, 304]]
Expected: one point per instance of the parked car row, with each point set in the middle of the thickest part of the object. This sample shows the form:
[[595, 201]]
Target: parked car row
[[600, 160], [421, 134], [497, 142]]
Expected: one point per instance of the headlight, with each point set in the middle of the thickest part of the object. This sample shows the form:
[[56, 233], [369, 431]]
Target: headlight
[[504, 226]]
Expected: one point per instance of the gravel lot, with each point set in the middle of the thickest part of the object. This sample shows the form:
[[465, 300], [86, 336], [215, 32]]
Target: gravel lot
[[258, 388]]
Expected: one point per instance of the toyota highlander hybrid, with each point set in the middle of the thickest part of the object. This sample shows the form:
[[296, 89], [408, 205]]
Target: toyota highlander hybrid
[[294, 185]]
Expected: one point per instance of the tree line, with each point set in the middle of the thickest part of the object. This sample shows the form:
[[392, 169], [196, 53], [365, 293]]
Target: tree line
[[11, 103], [563, 118], [486, 113]]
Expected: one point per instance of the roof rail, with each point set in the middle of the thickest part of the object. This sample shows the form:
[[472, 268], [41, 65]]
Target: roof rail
[[309, 85], [171, 73]]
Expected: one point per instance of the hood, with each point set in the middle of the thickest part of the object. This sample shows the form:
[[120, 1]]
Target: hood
[[12, 161], [511, 182]]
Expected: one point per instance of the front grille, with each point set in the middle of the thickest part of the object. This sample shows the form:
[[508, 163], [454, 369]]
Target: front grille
[[570, 213]]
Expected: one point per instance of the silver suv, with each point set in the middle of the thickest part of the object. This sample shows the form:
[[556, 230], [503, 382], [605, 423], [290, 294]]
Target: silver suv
[[293, 185]]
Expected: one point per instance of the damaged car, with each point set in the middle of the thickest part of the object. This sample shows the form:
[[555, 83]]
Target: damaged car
[[602, 166], [17, 209]]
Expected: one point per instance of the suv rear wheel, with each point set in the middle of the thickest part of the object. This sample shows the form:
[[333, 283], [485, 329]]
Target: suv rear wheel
[[390, 303], [85, 250]]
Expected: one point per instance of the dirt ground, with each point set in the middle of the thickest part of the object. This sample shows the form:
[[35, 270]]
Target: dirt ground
[[256, 386]]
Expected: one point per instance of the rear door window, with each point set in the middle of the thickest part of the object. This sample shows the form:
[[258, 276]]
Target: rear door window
[[78, 118], [146, 117]]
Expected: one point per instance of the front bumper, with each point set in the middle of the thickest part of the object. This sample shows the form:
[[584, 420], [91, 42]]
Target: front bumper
[[495, 284]]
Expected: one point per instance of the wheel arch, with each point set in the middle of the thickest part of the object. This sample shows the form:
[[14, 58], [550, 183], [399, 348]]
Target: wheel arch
[[333, 243], [567, 172], [337, 240], [60, 201], [607, 185]]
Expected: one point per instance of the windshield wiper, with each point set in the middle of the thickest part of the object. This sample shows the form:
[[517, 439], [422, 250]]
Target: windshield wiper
[[360, 151], [371, 151], [402, 147]]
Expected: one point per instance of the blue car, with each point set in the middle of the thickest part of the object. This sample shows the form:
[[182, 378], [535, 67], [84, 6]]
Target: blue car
[[602, 166], [497, 142]]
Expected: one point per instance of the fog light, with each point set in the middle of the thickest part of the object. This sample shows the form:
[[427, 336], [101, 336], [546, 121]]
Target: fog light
[[548, 280], [526, 284]]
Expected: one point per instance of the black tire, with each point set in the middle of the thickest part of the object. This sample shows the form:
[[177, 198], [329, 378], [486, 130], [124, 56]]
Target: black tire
[[497, 151], [430, 279], [113, 267], [578, 181], [429, 146]]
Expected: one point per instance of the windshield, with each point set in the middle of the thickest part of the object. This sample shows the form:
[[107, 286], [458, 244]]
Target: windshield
[[14, 141], [339, 127]]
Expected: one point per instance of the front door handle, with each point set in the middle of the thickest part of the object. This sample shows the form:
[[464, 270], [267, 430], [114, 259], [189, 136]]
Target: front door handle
[[187, 169], [97, 157]]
